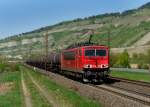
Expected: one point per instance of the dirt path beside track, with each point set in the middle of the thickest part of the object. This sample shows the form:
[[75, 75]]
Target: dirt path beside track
[[44, 92], [27, 98]]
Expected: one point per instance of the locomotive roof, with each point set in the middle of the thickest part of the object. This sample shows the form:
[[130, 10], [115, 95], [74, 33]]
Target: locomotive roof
[[95, 46], [86, 44], [102, 46]]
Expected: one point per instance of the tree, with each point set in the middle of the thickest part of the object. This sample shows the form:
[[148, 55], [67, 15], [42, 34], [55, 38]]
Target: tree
[[113, 59], [135, 56], [148, 59], [124, 60]]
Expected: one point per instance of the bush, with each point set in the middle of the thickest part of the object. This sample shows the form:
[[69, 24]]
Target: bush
[[9, 67], [120, 60], [143, 66], [123, 60], [113, 59], [14, 66], [3, 67]]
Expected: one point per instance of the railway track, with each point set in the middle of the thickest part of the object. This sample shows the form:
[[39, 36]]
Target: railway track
[[136, 87], [141, 83], [124, 92], [135, 90]]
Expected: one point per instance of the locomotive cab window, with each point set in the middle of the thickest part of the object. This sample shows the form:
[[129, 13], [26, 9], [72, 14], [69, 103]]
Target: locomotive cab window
[[90, 52], [94, 52], [101, 52]]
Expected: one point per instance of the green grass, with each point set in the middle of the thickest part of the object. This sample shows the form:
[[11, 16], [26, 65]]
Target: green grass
[[132, 75], [64, 94], [2, 67], [12, 98], [37, 99]]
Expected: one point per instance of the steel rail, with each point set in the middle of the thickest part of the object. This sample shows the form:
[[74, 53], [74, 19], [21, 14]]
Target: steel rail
[[137, 99], [141, 83]]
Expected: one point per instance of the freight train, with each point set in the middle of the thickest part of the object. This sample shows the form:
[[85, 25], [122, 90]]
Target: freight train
[[88, 62]]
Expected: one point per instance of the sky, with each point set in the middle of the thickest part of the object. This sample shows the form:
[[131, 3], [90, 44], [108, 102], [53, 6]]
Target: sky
[[19, 16]]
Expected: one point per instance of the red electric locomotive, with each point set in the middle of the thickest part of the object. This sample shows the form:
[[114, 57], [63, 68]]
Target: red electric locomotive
[[89, 62]]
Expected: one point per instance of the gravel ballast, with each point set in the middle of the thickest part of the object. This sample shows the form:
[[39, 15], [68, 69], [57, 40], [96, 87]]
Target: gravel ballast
[[107, 99]]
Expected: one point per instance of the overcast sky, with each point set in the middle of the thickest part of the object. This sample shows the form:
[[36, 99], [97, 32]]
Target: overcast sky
[[18, 16]]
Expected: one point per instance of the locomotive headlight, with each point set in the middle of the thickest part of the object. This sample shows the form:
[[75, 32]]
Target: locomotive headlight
[[103, 66], [106, 66], [87, 66]]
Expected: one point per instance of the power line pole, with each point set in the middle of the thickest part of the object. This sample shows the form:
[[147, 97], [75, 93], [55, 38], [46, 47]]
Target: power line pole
[[109, 32], [29, 51], [46, 49], [109, 38]]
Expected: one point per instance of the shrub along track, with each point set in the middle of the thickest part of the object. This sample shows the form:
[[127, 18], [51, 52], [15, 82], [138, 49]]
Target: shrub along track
[[109, 97]]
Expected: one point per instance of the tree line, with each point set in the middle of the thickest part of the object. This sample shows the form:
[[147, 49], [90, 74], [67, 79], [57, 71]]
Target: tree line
[[142, 60]]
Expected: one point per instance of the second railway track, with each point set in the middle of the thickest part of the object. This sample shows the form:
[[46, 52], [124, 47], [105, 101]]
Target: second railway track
[[136, 87], [145, 84], [125, 94], [135, 90]]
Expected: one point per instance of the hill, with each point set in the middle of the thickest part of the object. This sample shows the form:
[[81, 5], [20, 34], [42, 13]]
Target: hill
[[125, 30]]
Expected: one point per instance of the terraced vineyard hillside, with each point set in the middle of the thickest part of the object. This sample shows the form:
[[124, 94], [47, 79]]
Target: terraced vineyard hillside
[[125, 29]]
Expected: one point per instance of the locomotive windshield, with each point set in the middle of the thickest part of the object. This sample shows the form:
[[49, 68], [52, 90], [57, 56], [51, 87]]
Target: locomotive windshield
[[90, 52], [100, 52], [93, 52]]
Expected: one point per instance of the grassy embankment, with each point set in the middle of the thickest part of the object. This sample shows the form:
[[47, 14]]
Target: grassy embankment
[[11, 93], [38, 99], [10, 89], [61, 94], [140, 76]]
